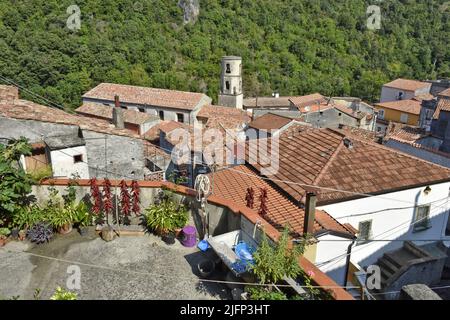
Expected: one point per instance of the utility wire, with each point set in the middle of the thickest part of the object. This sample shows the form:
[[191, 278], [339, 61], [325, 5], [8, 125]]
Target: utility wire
[[155, 275]]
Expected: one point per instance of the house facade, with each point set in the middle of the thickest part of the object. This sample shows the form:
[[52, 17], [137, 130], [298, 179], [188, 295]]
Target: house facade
[[74, 145], [389, 197], [168, 105], [403, 89]]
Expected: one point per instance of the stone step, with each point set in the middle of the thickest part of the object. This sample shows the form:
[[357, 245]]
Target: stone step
[[391, 257], [387, 265]]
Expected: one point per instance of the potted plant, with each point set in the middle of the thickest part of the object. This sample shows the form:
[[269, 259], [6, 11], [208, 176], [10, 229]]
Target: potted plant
[[62, 220], [180, 219], [82, 218], [4, 233], [162, 218]]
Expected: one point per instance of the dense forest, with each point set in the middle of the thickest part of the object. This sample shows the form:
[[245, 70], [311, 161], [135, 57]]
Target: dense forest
[[289, 46]]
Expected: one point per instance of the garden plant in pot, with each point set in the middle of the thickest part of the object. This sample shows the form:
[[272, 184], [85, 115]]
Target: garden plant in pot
[[165, 217], [82, 217], [4, 233]]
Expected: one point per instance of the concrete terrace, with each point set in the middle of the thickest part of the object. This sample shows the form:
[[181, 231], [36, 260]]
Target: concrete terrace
[[161, 271]]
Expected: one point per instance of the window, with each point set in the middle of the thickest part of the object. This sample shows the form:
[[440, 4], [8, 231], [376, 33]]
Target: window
[[78, 158], [228, 68], [429, 114], [404, 118], [340, 114], [381, 114], [142, 110], [180, 117], [400, 95], [422, 218], [227, 85], [364, 231], [378, 129], [161, 115]]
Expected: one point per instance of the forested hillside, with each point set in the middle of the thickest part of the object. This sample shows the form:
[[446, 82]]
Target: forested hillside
[[289, 46]]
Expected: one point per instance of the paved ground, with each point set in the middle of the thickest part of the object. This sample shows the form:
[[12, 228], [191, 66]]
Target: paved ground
[[168, 270]]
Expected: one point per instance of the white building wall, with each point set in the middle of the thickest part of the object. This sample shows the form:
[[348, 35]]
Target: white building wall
[[391, 94], [328, 247], [63, 165], [394, 223]]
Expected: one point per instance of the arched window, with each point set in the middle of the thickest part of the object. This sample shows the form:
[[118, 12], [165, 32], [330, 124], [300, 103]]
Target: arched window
[[228, 68], [227, 85]]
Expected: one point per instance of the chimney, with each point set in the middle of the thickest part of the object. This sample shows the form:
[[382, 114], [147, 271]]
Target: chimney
[[310, 213], [117, 114], [9, 93]]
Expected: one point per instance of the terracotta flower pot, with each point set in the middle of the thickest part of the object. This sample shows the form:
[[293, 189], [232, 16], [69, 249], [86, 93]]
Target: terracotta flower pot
[[65, 229]]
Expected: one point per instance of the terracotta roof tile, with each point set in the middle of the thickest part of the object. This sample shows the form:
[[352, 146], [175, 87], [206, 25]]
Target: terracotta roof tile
[[269, 121], [105, 112], [443, 105], [311, 99], [445, 93], [319, 157], [233, 183], [411, 106], [146, 96], [408, 85], [27, 110], [223, 117]]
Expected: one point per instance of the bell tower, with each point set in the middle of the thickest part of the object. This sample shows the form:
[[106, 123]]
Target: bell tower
[[231, 94]]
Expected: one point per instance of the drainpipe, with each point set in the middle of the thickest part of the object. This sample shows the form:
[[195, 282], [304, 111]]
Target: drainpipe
[[347, 263]]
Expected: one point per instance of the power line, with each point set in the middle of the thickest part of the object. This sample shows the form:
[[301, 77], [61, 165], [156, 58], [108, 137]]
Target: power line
[[9, 81], [243, 173], [342, 256], [157, 275]]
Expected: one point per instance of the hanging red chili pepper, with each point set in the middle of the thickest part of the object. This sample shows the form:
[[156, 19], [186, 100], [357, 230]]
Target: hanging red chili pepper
[[250, 197], [263, 202], [136, 190], [96, 196], [107, 197], [125, 198]]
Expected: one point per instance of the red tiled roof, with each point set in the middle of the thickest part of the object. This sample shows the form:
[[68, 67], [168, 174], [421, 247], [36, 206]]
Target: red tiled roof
[[407, 85], [411, 106], [233, 183], [267, 102], [27, 110], [443, 105], [223, 117], [146, 96], [402, 132], [311, 99], [319, 157], [445, 93], [349, 111], [368, 135], [269, 121], [105, 112]]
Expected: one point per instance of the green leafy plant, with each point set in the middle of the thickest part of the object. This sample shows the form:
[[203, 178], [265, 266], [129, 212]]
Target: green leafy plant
[[166, 215], [273, 262], [15, 184], [4, 233], [81, 215], [62, 294], [263, 293], [42, 173], [27, 216]]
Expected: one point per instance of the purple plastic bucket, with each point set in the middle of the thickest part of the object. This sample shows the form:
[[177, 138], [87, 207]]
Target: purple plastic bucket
[[189, 236]]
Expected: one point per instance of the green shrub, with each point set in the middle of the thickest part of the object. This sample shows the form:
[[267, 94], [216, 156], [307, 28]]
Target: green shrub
[[61, 294], [42, 173], [166, 215], [263, 293]]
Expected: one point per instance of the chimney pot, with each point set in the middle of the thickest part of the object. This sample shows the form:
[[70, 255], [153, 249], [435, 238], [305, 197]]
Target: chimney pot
[[310, 213], [117, 114]]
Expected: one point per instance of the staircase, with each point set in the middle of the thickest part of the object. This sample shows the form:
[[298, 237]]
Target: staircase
[[409, 264]]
